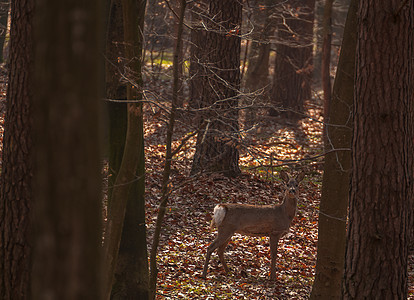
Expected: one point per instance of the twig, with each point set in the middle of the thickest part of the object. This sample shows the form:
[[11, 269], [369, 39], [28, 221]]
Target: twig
[[168, 158], [177, 16], [285, 162]]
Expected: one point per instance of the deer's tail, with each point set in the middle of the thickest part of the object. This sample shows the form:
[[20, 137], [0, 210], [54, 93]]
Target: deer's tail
[[218, 216]]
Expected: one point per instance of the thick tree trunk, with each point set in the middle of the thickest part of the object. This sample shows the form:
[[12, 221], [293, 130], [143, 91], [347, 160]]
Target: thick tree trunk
[[337, 167], [380, 213], [67, 260], [16, 195], [216, 142], [293, 63]]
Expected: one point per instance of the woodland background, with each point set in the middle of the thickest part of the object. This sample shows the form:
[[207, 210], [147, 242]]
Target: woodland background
[[124, 123]]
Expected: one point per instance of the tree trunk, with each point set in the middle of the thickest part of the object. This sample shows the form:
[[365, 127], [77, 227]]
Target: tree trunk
[[198, 55], [293, 63], [380, 212], [180, 69], [257, 73], [4, 16], [115, 90], [259, 52], [318, 41], [131, 273], [17, 169], [326, 65], [220, 79], [67, 260], [337, 167], [132, 267]]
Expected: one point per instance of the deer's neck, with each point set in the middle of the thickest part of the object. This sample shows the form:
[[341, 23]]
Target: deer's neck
[[290, 203]]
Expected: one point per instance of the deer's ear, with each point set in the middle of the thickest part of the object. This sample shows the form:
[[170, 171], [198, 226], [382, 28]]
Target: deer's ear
[[300, 177], [284, 176]]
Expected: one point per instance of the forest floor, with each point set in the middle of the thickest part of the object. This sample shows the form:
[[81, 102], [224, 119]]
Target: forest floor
[[186, 231]]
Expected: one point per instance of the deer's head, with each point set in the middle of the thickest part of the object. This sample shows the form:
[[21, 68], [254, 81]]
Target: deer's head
[[291, 184]]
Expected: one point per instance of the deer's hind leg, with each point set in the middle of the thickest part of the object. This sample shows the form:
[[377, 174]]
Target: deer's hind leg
[[220, 252], [220, 242]]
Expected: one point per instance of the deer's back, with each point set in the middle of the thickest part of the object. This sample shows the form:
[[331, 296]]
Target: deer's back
[[255, 220]]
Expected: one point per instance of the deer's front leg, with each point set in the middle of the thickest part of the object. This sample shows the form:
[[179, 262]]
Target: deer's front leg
[[274, 241]]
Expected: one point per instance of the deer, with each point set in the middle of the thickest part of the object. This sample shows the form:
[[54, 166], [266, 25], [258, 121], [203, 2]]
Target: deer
[[255, 220]]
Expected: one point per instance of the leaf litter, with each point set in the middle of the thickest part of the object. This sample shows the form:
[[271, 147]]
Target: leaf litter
[[186, 233], [186, 230]]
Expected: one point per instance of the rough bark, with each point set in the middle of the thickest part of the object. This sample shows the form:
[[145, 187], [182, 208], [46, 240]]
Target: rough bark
[[337, 168], [198, 56], [16, 196], [68, 180], [219, 67], [293, 63], [380, 212]]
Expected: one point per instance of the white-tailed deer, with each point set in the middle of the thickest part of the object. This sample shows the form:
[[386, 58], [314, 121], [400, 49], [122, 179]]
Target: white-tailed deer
[[266, 220]]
